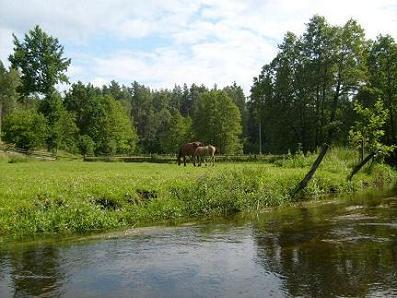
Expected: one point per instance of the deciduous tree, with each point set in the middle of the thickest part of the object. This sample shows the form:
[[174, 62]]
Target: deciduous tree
[[39, 58]]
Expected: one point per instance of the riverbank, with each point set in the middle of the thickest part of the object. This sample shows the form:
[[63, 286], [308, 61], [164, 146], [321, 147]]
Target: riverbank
[[39, 197], [278, 252]]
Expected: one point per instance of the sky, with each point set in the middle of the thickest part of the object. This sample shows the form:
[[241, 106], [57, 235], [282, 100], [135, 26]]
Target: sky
[[167, 42]]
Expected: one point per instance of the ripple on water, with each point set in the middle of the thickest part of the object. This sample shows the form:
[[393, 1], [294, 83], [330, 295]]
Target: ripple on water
[[354, 207], [354, 217], [383, 224], [356, 239]]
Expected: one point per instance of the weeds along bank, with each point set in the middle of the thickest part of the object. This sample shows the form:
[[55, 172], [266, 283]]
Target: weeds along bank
[[71, 196]]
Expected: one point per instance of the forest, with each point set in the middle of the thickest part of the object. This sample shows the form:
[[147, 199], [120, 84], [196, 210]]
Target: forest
[[329, 85]]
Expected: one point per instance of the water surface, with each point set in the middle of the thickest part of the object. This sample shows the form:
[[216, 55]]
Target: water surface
[[329, 248]]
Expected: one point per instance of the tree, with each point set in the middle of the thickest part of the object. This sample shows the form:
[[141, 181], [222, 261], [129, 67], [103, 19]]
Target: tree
[[116, 133], [368, 130], [9, 82], [236, 93], [382, 65], [218, 121], [142, 113], [25, 128], [162, 123], [318, 52], [177, 132], [101, 118], [367, 133], [84, 102], [86, 145], [301, 97], [62, 130], [258, 109], [304, 93], [349, 72], [40, 60]]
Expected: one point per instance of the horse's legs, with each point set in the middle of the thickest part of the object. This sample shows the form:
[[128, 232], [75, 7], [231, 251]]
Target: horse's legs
[[211, 160], [184, 160]]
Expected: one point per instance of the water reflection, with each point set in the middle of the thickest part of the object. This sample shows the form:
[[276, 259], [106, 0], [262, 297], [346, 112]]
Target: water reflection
[[329, 251], [342, 248], [34, 271]]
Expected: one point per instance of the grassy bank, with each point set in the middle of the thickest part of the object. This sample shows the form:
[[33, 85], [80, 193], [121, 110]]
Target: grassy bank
[[75, 196]]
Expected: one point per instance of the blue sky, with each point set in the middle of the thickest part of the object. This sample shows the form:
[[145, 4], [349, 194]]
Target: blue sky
[[163, 43]]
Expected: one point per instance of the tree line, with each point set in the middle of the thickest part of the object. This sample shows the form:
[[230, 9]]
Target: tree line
[[330, 84], [113, 119]]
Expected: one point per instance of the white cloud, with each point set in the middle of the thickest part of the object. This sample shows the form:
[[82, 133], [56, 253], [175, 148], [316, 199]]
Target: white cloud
[[208, 63], [6, 45], [99, 82]]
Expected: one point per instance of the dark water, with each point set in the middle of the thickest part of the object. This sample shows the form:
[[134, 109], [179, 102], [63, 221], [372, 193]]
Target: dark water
[[332, 248]]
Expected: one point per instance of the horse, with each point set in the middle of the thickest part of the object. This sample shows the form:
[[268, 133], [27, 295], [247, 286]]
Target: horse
[[203, 151], [188, 150]]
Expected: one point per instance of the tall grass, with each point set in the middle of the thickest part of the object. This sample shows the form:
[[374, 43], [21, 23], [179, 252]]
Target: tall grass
[[72, 196]]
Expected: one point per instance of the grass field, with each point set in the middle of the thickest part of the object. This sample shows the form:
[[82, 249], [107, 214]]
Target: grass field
[[74, 196]]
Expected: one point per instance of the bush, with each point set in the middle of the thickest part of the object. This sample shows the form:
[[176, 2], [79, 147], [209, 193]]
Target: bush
[[27, 129], [86, 145], [17, 159]]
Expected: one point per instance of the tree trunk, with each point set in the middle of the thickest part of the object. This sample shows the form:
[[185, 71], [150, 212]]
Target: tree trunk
[[260, 137], [360, 165], [362, 153], [302, 185]]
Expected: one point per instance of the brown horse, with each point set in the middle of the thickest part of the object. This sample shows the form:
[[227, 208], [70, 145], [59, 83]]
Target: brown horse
[[204, 151], [188, 150]]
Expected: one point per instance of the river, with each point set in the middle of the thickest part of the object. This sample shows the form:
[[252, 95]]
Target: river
[[338, 247]]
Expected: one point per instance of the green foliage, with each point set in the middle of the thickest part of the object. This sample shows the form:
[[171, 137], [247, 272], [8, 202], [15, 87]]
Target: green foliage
[[368, 131], [86, 145], [301, 96], [382, 65], [9, 82], [116, 135], [27, 129], [40, 59], [62, 130], [177, 131], [103, 119], [83, 102], [218, 121], [297, 160]]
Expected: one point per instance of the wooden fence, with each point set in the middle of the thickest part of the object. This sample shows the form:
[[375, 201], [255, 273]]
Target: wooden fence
[[155, 158]]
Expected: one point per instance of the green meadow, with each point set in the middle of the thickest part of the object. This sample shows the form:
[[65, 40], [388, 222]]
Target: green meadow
[[57, 197]]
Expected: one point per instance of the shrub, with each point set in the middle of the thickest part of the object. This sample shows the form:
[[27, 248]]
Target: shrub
[[27, 129]]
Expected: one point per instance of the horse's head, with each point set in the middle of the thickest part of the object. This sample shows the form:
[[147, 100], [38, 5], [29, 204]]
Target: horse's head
[[197, 144]]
